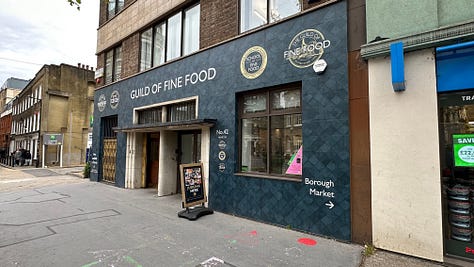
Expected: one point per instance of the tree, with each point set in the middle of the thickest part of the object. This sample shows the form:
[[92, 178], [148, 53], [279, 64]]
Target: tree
[[76, 3]]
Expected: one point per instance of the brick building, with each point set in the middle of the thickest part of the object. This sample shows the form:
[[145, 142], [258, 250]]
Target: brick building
[[5, 130], [10, 88], [56, 104], [237, 87]]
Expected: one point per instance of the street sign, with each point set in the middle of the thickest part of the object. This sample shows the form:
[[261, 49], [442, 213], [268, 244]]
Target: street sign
[[52, 139]]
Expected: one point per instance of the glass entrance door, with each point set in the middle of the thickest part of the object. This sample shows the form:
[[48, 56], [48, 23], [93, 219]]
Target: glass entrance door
[[456, 126], [190, 147], [153, 159], [189, 151]]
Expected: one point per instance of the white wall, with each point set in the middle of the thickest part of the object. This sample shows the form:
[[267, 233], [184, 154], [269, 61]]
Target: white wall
[[406, 191], [205, 152]]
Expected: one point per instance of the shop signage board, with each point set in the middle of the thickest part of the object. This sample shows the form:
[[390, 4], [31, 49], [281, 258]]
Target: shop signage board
[[193, 192], [463, 147], [53, 139], [192, 184]]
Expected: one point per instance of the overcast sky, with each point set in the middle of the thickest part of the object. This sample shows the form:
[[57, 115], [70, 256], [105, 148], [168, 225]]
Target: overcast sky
[[38, 32]]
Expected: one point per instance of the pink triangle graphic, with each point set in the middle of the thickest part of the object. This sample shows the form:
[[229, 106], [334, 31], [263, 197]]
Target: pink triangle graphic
[[296, 165]]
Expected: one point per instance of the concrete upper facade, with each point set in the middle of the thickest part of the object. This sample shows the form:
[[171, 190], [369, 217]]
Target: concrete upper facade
[[393, 19], [135, 16]]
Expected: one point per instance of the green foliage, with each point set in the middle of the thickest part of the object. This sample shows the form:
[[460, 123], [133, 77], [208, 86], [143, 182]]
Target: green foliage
[[76, 3], [87, 170], [369, 250]]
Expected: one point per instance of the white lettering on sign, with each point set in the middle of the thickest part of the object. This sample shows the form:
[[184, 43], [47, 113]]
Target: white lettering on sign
[[467, 97], [321, 188], [222, 134], [465, 140], [174, 83]]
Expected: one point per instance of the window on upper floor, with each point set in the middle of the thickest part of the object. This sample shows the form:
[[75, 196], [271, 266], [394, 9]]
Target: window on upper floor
[[176, 36], [255, 13], [114, 7], [113, 64]]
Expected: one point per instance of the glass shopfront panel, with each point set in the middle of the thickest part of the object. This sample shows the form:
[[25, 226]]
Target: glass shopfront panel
[[455, 86], [456, 125]]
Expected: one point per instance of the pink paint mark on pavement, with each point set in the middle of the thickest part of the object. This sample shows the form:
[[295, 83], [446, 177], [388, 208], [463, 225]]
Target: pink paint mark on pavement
[[307, 241]]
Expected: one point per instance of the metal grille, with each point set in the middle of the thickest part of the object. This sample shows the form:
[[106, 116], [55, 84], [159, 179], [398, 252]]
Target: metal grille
[[152, 115], [108, 163], [182, 111], [110, 148], [107, 125]]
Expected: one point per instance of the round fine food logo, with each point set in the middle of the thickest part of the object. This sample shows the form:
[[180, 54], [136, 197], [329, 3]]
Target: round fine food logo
[[306, 48]]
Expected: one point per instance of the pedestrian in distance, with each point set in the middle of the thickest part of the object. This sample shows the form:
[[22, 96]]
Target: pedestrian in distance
[[28, 158], [17, 157]]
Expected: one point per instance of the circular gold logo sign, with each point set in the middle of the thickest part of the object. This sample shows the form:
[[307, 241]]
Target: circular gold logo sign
[[101, 103], [114, 99], [254, 62], [306, 48]]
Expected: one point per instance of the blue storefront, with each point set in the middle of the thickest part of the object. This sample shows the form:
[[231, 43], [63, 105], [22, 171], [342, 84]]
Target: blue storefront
[[267, 115]]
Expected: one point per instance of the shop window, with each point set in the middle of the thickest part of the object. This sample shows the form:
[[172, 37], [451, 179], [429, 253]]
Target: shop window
[[456, 124], [177, 36], [183, 111], [151, 115], [113, 65], [255, 13], [114, 7], [271, 132]]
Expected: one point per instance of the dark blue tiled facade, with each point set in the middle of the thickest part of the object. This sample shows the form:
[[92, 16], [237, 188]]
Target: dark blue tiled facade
[[325, 123]]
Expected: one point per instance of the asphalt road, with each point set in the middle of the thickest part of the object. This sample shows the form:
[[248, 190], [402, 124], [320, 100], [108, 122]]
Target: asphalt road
[[60, 220], [51, 217]]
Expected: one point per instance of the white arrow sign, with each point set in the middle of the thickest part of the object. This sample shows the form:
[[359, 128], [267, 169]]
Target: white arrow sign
[[330, 204]]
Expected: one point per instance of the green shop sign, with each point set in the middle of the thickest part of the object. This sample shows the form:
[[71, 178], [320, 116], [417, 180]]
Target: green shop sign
[[463, 147]]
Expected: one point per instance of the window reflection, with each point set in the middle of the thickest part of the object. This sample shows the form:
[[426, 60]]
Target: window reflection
[[255, 13], [174, 37], [191, 30], [254, 144]]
